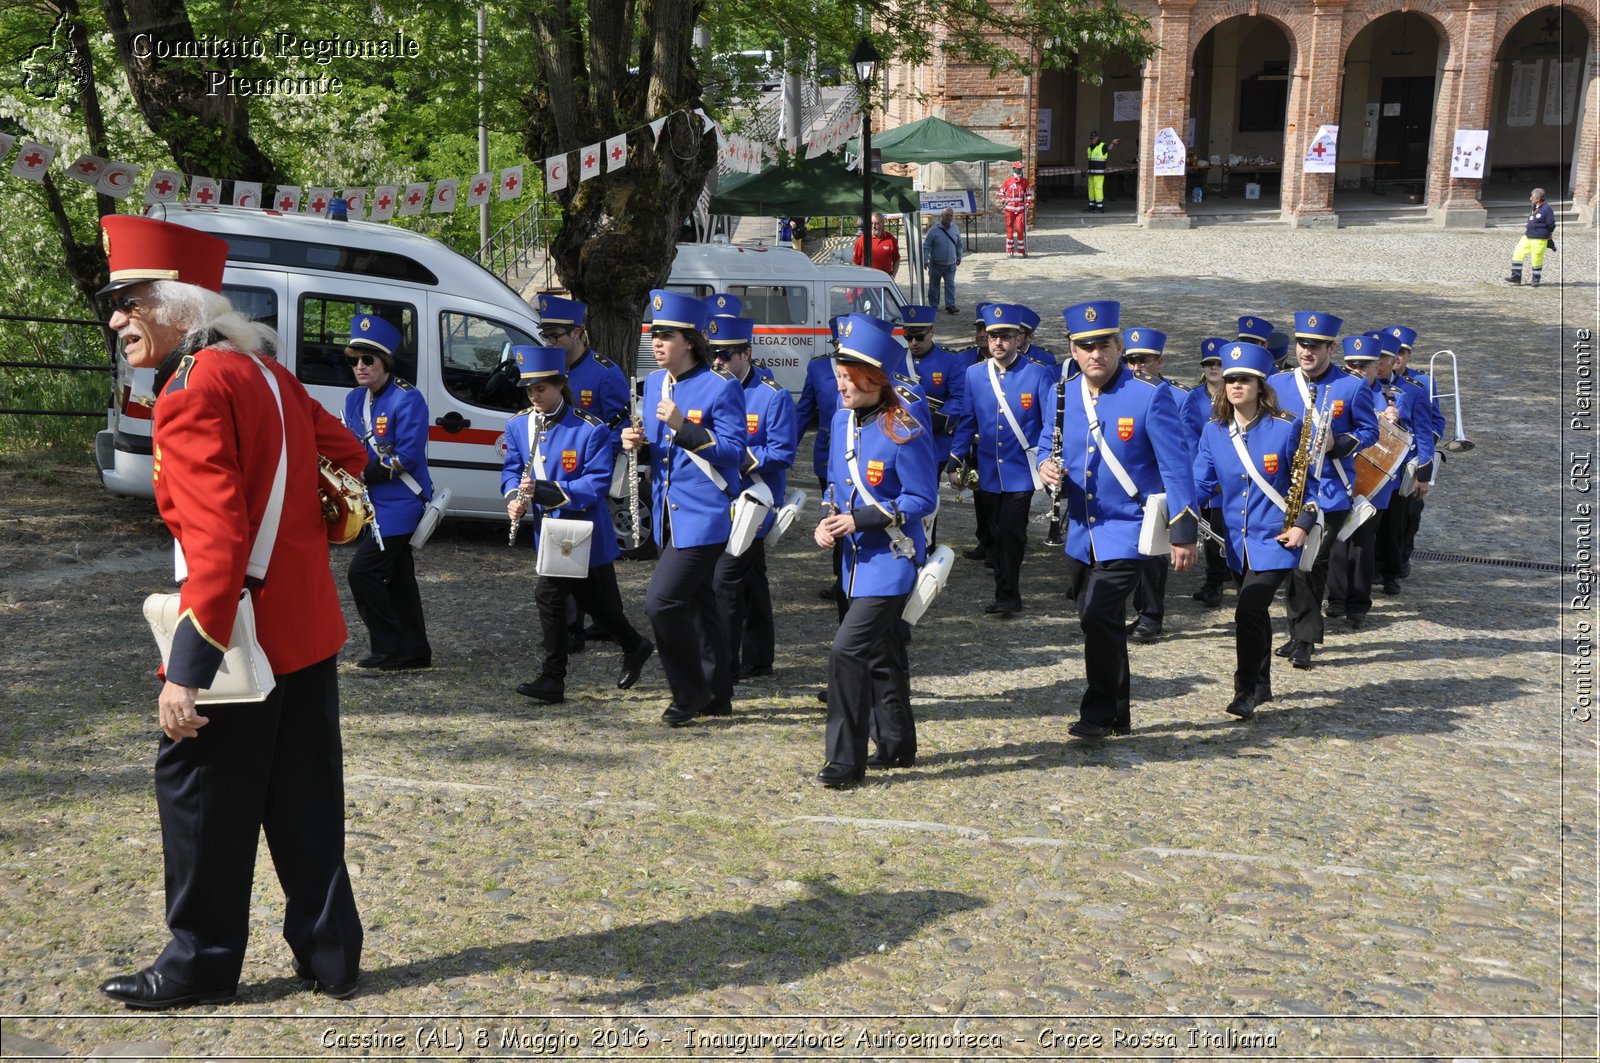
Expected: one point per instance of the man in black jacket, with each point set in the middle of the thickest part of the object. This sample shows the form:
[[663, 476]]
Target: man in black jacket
[[1536, 238]]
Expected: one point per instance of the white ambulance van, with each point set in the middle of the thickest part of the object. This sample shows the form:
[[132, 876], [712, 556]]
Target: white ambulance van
[[788, 296], [307, 277]]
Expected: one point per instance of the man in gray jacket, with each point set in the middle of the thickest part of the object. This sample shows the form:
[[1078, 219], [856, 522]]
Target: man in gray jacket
[[941, 250]]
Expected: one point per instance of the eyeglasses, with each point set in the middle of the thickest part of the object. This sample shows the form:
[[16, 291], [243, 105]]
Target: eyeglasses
[[353, 360], [554, 334], [123, 304]]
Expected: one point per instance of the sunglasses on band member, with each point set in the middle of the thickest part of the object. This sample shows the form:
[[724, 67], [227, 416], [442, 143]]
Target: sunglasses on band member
[[123, 304], [917, 334], [353, 360]]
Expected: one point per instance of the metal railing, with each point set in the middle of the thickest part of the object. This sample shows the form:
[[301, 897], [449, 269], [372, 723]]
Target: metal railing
[[9, 386], [512, 246]]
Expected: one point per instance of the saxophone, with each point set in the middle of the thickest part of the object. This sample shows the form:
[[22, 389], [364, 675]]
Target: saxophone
[[1311, 443]]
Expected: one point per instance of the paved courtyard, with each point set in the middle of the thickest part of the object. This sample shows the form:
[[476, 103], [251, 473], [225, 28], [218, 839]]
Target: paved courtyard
[[1395, 858]]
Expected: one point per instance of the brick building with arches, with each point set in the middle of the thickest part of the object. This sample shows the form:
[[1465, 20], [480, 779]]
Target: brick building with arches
[[1248, 83]]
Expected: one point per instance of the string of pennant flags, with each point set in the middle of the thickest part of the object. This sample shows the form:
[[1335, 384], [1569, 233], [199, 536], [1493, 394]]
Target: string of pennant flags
[[118, 179]]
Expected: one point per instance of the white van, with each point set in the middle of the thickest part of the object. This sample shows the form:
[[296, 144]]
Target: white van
[[307, 277], [788, 296]]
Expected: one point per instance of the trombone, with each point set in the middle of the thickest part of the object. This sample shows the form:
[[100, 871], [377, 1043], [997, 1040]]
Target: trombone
[[1460, 442]]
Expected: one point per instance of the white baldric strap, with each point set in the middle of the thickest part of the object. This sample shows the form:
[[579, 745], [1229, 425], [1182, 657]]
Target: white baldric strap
[[1100, 441], [405, 477], [536, 423], [1308, 399], [1255, 474], [267, 534], [902, 544], [1016, 429], [701, 463]]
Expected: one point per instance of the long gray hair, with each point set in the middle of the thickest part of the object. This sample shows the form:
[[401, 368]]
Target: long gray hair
[[201, 312]]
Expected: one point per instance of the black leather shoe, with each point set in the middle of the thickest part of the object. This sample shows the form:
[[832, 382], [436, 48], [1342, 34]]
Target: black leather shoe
[[1002, 609], [975, 553], [1301, 657], [633, 664], [147, 990], [545, 688], [596, 633], [1210, 595], [676, 715], [336, 990], [1333, 612], [1355, 620], [1092, 731], [1391, 586], [1242, 706], [840, 776], [406, 664], [724, 708], [1286, 649], [830, 593], [1145, 633], [1122, 727], [372, 660], [747, 674], [878, 760], [822, 695], [1405, 570], [1263, 694]]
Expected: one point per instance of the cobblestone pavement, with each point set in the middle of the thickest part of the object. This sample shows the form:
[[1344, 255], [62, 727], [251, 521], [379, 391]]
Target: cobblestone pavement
[[1397, 857]]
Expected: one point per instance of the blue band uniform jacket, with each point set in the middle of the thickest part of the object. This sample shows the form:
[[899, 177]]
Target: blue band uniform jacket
[[712, 404], [943, 377], [1002, 460], [1140, 423], [1355, 427], [399, 431], [904, 478], [577, 474], [819, 400], [1253, 521], [600, 390], [771, 436]]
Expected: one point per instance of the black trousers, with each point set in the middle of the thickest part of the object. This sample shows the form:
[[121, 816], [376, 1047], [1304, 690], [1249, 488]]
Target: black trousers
[[691, 639], [384, 586], [1306, 589], [1391, 544], [1217, 572], [596, 595], [1252, 618], [1150, 593], [1414, 506], [1006, 513], [869, 684], [1351, 567], [1101, 591], [745, 599], [275, 767]]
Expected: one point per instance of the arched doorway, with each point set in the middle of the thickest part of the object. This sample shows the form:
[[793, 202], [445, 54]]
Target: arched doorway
[[1392, 73], [1542, 73], [1238, 106], [1070, 107]]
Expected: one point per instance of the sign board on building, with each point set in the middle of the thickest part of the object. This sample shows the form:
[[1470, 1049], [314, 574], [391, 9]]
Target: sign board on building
[[960, 202], [1471, 147], [1125, 106], [1041, 135], [1170, 154], [1323, 153]]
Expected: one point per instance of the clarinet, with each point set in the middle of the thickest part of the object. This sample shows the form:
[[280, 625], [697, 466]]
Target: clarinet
[[538, 435], [1052, 536], [634, 515]]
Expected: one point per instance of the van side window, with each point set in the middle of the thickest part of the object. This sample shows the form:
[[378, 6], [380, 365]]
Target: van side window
[[875, 302], [325, 328], [773, 304], [477, 366], [257, 304]]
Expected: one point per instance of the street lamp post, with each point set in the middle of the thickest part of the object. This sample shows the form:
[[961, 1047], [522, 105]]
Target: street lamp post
[[866, 63]]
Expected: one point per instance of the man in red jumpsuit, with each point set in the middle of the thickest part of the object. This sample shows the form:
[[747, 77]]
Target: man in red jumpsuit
[[227, 773], [1016, 199]]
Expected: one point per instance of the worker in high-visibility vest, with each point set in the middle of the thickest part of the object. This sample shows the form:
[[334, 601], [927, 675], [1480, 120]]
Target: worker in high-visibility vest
[[1098, 150]]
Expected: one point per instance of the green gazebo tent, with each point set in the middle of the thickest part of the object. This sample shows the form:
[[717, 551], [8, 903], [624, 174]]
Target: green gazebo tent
[[810, 186], [935, 140]]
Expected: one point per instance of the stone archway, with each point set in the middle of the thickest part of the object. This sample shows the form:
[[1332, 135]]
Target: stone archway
[[1395, 70], [1239, 103], [1541, 105]]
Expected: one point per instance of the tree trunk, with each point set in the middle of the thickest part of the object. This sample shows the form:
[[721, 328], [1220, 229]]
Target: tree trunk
[[207, 134]]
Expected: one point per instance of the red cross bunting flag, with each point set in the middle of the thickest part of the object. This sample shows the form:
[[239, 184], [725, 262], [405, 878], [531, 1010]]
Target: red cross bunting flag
[[415, 195], [510, 182], [655, 128], [384, 198], [286, 199], [206, 191], [617, 152], [555, 173], [318, 200], [32, 160], [247, 194], [444, 196], [6, 140], [87, 168], [478, 186], [117, 180], [589, 163], [163, 186], [355, 202]]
